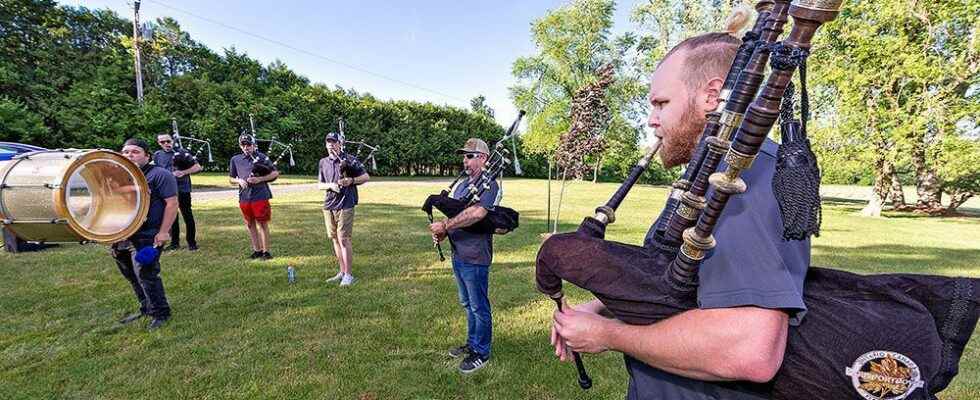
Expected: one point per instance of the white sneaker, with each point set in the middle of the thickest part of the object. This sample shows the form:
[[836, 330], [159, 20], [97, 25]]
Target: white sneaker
[[335, 278], [347, 280]]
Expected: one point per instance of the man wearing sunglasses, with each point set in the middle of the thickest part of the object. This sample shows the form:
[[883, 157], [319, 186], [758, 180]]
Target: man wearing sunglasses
[[254, 193], [472, 254], [182, 164]]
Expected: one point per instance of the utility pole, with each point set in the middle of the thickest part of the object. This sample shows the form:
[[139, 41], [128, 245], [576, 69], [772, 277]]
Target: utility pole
[[136, 48]]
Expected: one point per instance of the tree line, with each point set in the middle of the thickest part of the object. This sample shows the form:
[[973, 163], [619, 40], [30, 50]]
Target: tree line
[[67, 81], [894, 88]]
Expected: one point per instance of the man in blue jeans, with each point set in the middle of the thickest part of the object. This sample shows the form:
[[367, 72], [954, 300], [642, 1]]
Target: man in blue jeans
[[472, 254]]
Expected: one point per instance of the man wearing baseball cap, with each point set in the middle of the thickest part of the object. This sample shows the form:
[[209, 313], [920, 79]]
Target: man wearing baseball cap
[[340, 173], [252, 171], [472, 254], [143, 273]]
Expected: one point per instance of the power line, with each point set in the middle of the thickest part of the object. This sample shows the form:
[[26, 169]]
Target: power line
[[307, 52]]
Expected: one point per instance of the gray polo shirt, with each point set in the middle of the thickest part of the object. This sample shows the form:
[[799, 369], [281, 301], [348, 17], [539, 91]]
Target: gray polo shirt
[[240, 167], [475, 248], [330, 172], [165, 159], [752, 266]]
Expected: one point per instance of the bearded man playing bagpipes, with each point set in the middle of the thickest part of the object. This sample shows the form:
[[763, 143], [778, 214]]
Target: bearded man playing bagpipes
[[724, 305]]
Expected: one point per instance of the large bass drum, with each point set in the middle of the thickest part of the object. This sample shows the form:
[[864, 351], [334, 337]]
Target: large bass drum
[[72, 196]]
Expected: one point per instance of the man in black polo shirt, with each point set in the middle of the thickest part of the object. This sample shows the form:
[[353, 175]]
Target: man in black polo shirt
[[340, 173], [182, 164], [254, 193], [145, 276]]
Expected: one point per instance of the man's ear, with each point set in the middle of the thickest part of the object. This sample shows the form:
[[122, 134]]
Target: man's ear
[[711, 92]]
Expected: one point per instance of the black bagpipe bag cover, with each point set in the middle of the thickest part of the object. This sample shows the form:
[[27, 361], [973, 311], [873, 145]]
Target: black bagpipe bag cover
[[889, 337]]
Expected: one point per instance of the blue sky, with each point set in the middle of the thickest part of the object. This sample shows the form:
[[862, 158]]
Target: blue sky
[[458, 49]]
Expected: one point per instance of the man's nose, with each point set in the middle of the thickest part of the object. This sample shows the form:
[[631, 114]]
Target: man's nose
[[653, 120]]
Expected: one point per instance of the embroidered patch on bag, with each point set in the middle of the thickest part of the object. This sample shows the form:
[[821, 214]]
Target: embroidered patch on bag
[[884, 375]]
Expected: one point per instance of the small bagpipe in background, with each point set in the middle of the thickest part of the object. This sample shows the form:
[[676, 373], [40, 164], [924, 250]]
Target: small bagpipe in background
[[499, 220], [185, 155], [262, 163]]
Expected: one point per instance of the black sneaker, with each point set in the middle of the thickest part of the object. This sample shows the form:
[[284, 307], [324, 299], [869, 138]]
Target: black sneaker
[[473, 362], [460, 351], [192, 247], [130, 318], [255, 254], [266, 255]]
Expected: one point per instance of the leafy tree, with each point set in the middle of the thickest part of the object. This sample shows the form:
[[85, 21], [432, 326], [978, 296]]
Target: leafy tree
[[479, 105], [19, 124], [900, 75], [573, 42], [67, 80]]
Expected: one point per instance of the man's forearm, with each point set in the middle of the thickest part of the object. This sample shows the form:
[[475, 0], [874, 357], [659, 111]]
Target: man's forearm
[[744, 343], [469, 216], [272, 176], [192, 170], [361, 179]]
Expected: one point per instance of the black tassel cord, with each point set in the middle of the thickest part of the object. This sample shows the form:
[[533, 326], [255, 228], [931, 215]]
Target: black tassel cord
[[796, 181]]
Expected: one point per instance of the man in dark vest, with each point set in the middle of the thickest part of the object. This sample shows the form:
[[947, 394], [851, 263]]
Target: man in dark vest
[[182, 164]]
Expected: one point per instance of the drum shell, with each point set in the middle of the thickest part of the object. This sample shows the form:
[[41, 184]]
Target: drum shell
[[35, 205]]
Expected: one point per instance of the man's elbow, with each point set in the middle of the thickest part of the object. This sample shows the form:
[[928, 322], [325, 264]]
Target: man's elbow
[[760, 369], [756, 363]]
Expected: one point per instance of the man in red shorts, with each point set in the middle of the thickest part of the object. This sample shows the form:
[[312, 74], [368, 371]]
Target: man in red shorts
[[251, 171]]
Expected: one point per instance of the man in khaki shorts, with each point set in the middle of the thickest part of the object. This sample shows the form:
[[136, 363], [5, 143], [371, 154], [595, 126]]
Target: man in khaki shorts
[[340, 173]]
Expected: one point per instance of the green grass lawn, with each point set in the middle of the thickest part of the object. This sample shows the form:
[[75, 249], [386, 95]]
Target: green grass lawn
[[240, 331]]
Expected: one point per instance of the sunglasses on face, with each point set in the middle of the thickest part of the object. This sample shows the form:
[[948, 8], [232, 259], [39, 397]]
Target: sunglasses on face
[[164, 141], [245, 144], [470, 156]]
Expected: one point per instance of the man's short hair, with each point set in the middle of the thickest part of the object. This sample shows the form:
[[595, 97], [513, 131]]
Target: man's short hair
[[710, 55], [706, 56], [138, 143]]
